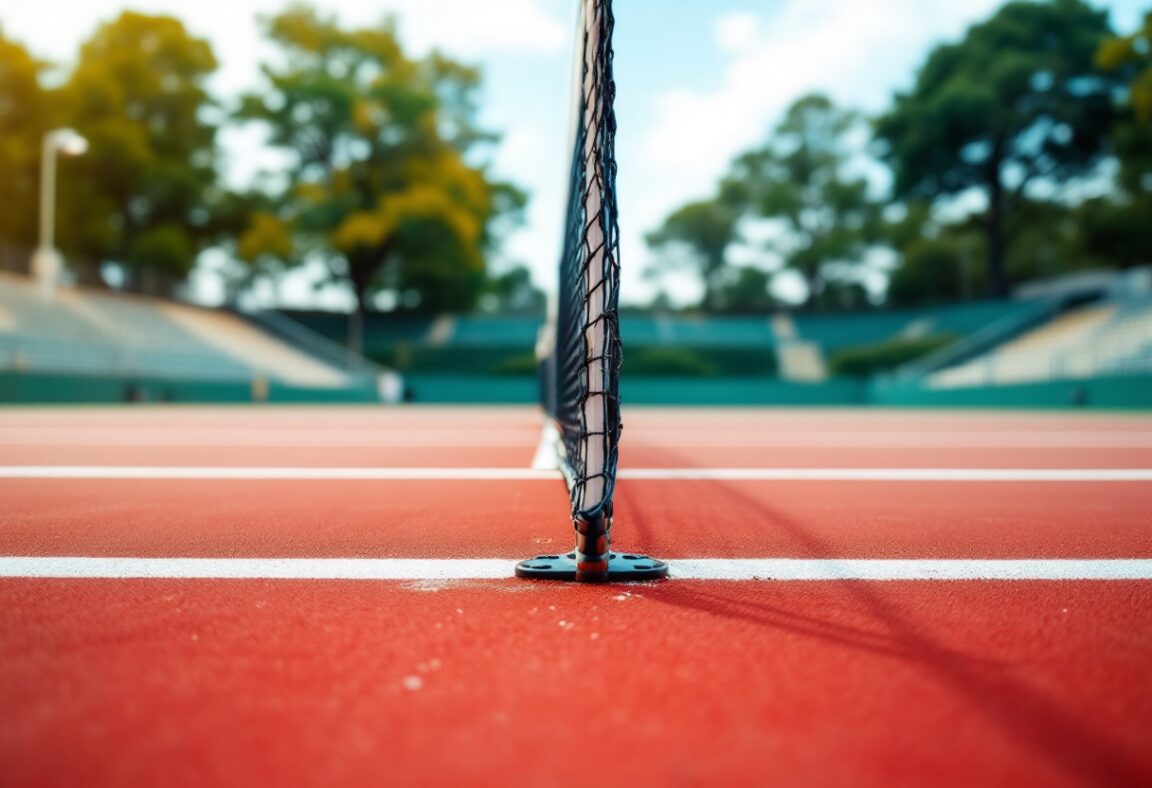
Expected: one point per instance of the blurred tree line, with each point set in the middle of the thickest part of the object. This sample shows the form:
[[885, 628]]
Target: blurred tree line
[[384, 176], [1022, 150]]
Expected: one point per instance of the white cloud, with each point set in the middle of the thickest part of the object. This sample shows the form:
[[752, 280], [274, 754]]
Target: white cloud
[[528, 155], [465, 28], [831, 46], [470, 28], [737, 32], [857, 54]]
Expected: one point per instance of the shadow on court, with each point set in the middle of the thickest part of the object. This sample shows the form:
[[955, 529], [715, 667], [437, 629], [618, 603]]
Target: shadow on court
[[1062, 735]]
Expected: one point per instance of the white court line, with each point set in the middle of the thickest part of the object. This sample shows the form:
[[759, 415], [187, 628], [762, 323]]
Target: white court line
[[303, 437], [912, 569], [419, 437], [193, 472], [895, 474], [530, 474], [545, 458], [497, 568]]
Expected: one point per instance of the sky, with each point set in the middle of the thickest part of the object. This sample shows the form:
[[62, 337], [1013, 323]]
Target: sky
[[698, 81]]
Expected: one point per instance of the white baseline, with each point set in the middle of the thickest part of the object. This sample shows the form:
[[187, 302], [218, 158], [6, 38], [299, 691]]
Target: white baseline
[[530, 474], [772, 569], [398, 436]]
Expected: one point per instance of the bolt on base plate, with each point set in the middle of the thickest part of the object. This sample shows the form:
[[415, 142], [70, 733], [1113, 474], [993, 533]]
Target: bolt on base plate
[[622, 568]]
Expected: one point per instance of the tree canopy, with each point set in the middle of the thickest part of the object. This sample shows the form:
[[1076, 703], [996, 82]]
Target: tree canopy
[[383, 184], [385, 180], [140, 195], [24, 117], [1018, 100], [696, 236], [802, 177], [1115, 229], [1132, 54], [801, 180]]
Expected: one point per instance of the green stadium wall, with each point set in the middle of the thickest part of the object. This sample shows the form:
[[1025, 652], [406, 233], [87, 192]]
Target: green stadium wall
[[41, 387], [741, 391], [643, 391], [1129, 392]]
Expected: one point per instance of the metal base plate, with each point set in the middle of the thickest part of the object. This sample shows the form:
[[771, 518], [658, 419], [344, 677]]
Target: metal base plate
[[622, 568]]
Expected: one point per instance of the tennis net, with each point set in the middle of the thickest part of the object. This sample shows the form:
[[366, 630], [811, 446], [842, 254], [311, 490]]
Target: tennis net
[[580, 347]]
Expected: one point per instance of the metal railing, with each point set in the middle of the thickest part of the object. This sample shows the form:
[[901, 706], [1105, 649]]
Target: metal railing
[[312, 343], [1121, 346], [1029, 316]]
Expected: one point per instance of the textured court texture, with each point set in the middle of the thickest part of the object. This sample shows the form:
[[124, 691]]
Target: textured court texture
[[427, 681]]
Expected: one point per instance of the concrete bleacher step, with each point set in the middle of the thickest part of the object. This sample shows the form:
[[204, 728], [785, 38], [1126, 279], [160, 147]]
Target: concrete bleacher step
[[1061, 347], [801, 362], [1122, 343], [233, 337], [1060, 333], [31, 314], [93, 331], [441, 331], [783, 327]]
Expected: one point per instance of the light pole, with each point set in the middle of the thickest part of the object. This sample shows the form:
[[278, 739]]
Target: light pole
[[46, 261]]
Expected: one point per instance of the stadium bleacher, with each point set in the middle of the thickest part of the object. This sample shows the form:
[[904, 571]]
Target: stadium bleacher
[[841, 330], [1099, 339], [90, 332], [993, 343], [499, 344], [965, 319]]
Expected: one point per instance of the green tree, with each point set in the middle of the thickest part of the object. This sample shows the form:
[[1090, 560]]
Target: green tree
[[1043, 241], [1132, 54], [245, 224], [745, 289], [140, 196], [382, 183], [1115, 232], [1115, 229], [696, 236], [23, 121], [513, 291], [1016, 101], [935, 270], [802, 178], [941, 261]]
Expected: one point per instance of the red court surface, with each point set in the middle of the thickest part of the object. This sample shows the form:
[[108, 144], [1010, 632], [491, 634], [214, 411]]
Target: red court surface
[[189, 680]]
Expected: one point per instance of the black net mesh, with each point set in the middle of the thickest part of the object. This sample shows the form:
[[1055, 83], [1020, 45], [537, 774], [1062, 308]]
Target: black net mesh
[[581, 378]]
